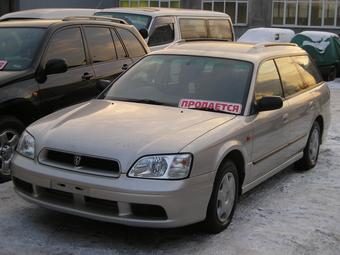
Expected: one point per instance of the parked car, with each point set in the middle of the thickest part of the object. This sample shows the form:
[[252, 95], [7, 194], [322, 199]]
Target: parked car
[[52, 13], [162, 27], [47, 64], [267, 34], [324, 48], [179, 136]]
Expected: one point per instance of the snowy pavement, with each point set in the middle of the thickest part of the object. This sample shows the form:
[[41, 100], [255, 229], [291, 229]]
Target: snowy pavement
[[291, 213]]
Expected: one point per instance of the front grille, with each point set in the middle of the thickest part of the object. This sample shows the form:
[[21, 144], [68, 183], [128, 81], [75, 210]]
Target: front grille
[[80, 163]]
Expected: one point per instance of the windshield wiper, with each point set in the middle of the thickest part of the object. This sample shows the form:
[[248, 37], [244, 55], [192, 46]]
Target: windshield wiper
[[141, 101]]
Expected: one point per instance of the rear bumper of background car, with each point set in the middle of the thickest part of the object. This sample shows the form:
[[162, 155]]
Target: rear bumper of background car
[[124, 200]]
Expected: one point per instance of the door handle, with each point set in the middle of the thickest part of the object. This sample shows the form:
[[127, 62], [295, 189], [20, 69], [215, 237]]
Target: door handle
[[125, 67], [285, 118], [87, 76]]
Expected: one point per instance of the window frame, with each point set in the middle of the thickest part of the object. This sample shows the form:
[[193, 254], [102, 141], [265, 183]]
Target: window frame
[[128, 55], [155, 24], [237, 2], [309, 2], [52, 36]]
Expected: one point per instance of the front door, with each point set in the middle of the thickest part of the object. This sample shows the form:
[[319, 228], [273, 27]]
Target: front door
[[271, 128], [78, 82]]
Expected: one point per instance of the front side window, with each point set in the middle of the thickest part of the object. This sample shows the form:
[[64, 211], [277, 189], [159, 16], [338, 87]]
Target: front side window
[[268, 81], [307, 70], [18, 47], [68, 44], [168, 79], [290, 76], [100, 44], [132, 44], [162, 32]]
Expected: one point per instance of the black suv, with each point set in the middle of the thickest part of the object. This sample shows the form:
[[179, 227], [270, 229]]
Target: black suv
[[46, 65]]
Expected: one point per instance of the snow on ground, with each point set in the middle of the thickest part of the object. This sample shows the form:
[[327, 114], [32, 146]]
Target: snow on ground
[[334, 84], [291, 213]]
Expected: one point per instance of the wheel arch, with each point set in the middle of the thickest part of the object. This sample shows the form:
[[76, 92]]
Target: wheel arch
[[21, 109]]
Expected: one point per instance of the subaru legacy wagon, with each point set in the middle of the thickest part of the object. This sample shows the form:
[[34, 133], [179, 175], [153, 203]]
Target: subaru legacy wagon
[[178, 137]]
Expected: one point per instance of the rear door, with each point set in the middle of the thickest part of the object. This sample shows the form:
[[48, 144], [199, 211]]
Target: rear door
[[73, 86], [299, 77], [108, 56]]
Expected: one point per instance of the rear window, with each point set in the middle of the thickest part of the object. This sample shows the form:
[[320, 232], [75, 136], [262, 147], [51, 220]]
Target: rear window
[[307, 70], [132, 44], [206, 28], [18, 47]]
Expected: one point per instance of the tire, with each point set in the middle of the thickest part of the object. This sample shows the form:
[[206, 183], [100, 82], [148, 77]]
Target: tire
[[332, 74], [219, 217], [10, 131], [311, 151]]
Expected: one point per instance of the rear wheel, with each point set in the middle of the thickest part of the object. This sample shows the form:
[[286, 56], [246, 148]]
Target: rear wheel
[[311, 151], [10, 130], [332, 74], [223, 198]]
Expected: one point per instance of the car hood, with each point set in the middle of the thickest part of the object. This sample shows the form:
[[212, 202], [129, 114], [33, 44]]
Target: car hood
[[122, 130]]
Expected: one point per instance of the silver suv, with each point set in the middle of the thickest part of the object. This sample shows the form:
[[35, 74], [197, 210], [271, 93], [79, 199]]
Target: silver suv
[[178, 137]]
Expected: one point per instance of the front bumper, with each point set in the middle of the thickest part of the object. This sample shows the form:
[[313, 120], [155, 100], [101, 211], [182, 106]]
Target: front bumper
[[128, 201]]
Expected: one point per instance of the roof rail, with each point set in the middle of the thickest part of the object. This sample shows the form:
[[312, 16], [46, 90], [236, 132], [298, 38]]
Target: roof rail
[[204, 40], [270, 44], [115, 20]]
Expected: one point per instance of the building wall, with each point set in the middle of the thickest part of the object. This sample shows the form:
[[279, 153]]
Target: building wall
[[31, 4]]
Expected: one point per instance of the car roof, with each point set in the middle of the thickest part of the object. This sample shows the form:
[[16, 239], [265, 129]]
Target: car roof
[[154, 12], [52, 13], [242, 51]]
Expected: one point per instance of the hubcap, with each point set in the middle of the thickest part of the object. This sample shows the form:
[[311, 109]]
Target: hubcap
[[314, 143], [8, 142], [226, 197]]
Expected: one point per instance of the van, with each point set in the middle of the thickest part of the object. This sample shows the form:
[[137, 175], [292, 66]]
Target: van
[[162, 27]]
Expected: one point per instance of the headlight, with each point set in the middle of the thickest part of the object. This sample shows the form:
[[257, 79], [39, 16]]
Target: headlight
[[162, 167], [26, 145]]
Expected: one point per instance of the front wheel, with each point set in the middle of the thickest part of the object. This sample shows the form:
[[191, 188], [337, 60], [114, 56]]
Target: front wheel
[[311, 151], [223, 198], [10, 130]]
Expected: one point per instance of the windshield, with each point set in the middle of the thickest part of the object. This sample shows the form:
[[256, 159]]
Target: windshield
[[185, 81], [138, 20], [18, 47]]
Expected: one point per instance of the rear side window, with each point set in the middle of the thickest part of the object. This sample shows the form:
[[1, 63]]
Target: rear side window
[[100, 44], [163, 31], [307, 70], [193, 28], [132, 44], [290, 76], [202, 28], [220, 29], [68, 44], [268, 81], [119, 47]]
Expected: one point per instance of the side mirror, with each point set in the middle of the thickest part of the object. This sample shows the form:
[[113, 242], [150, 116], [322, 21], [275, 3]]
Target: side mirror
[[269, 103], [102, 84], [54, 66], [144, 33]]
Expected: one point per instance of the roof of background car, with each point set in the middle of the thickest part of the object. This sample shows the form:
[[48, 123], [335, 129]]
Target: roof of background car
[[167, 12], [242, 51], [53, 13]]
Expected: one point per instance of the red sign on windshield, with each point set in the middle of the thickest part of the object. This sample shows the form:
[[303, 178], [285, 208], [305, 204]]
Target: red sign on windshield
[[3, 63], [214, 105]]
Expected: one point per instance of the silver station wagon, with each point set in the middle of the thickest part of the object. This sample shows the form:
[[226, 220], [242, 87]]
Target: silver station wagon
[[179, 136]]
